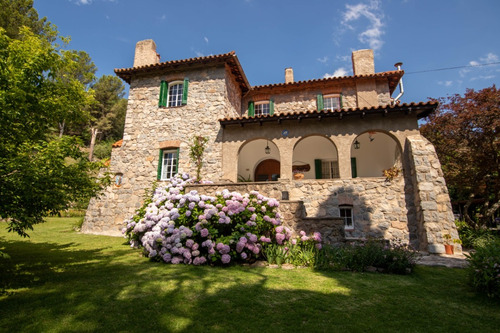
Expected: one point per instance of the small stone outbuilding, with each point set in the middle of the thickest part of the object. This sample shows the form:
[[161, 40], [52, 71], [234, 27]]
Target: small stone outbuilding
[[319, 146]]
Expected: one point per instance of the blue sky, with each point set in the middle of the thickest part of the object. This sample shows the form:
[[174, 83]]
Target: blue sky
[[315, 37]]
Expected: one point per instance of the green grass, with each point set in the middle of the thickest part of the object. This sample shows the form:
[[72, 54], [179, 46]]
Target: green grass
[[63, 281]]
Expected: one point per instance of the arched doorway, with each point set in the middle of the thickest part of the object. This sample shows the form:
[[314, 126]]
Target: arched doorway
[[267, 170], [251, 154]]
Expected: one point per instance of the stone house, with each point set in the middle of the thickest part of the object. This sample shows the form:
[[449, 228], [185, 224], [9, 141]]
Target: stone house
[[319, 146]]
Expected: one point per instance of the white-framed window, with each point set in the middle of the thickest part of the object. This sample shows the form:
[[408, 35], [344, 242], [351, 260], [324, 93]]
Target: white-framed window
[[346, 214], [262, 108], [173, 93], [331, 102], [175, 90], [330, 169], [168, 164]]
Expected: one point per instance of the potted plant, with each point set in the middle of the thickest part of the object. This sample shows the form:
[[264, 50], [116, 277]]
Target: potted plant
[[297, 174], [448, 243]]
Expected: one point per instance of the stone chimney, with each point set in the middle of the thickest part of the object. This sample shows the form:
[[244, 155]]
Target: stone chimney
[[289, 75], [362, 62], [145, 53]]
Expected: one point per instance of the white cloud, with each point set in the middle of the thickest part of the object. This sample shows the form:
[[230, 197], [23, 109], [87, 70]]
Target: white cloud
[[199, 54], [323, 60], [482, 77], [445, 83], [338, 72], [372, 34], [89, 2], [490, 57], [206, 39]]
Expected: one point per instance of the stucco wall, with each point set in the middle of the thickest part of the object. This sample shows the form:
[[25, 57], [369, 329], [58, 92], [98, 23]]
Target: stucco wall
[[341, 132]]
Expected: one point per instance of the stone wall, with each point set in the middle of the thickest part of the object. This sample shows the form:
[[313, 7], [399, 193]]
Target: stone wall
[[147, 125], [379, 207], [433, 213], [304, 100]]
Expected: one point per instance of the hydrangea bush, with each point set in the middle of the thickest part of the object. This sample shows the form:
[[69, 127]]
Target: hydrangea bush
[[178, 227]]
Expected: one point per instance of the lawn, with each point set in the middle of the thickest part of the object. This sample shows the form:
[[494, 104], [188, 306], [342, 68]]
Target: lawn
[[62, 281]]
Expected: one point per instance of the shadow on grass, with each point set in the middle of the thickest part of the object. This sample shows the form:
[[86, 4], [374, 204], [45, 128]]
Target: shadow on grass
[[54, 287]]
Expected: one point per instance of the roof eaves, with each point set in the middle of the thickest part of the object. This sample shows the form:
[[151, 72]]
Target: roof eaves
[[421, 110]]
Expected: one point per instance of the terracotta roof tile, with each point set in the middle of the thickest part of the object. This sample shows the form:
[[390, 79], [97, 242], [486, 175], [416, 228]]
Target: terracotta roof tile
[[117, 144], [230, 58], [421, 109], [392, 76]]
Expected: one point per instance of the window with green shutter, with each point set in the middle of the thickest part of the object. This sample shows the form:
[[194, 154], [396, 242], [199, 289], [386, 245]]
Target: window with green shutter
[[163, 94], [354, 169], [318, 169], [173, 93], [331, 102], [168, 163], [319, 102], [251, 109], [185, 92]]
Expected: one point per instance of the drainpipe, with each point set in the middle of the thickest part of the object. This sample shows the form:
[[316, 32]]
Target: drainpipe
[[401, 89]]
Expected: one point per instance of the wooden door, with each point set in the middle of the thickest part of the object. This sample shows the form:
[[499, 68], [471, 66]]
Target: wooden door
[[267, 170]]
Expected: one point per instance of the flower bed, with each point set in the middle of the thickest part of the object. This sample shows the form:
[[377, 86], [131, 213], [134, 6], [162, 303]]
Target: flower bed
[[178, 227]]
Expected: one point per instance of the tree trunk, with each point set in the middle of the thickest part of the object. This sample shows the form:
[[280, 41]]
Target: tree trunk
[[494, 208], [94, 132], [468, 219], [61, 128]]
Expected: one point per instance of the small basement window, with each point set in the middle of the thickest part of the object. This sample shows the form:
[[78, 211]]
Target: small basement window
[[346, 214]]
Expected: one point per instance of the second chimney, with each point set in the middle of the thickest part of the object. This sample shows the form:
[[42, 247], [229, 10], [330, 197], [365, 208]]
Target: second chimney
[[145, 53], [289, 75], [362, 62]]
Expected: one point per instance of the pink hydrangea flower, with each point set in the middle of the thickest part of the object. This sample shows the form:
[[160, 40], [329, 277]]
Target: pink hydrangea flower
[[226, 258]]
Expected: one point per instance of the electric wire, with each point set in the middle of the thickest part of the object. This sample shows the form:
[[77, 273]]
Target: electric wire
[[450, 68]]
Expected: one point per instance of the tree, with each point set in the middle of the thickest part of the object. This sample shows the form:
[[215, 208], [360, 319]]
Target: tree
[[109, 107], [82, 69], [15, 14], [465, 131], [40, 173]]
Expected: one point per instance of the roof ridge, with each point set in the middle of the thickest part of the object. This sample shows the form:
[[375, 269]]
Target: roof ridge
[[280, 84]]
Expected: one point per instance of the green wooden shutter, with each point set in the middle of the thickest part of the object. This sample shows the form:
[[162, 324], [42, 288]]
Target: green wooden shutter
[[341, 102], [317, 169], [163, 94], [271, 107], [251, 109], [319, 102], [160, 163], [185, 91], [354, 169]]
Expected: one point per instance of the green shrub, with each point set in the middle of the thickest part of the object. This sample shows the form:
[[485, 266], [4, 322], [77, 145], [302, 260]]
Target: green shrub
[[483, 271], [473, 238], [393, 258], [102, 149]]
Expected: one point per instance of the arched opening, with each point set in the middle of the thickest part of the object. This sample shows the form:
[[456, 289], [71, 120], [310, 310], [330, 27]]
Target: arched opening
[[373, 152], [315, 157], [267, 170], [255, 153]]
